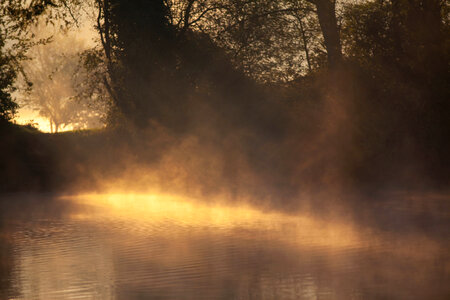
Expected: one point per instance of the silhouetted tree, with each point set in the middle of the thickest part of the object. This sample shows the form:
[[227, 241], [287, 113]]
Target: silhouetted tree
[[402, 48], [7, 77], [326, 12], [269, 40], [139, 45]]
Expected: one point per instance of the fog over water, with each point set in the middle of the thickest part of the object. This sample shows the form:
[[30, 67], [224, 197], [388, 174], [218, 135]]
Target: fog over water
[[141, 246]]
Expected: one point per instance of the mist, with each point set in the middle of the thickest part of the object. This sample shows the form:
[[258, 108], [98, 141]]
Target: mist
[[263, 131], [174, 107]]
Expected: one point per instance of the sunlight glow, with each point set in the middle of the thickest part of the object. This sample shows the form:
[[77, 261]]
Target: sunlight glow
[[153, 208], [27, 116]]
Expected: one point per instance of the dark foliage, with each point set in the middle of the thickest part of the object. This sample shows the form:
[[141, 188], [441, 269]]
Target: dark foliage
[[403, 116], [7, 77]]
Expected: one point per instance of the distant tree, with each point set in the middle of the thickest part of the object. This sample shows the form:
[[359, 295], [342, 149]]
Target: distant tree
[[51, 70], [15, 18]]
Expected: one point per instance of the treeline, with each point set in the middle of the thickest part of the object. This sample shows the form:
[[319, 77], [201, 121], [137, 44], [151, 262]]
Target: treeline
[[292, 95]]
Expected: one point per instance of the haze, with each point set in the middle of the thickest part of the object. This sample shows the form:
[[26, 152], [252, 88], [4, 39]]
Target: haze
[[210, 149]]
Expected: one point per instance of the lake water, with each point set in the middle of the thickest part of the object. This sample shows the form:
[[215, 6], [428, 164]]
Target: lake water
[[160, 247]]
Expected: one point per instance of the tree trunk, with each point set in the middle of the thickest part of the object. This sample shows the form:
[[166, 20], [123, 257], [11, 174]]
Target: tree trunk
[[305, 42], [326, 12]]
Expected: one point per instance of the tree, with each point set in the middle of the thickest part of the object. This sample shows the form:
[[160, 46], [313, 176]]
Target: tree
[[265, 39], [326, 13], [7, 78], [401, 48], [15, 17], [408, 35], [269, 40], [90, 89], [419, 35], [51, 70], [139, 43]]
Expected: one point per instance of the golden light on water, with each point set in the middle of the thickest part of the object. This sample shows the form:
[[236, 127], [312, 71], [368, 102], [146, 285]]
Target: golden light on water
[[154, 208], [155, 242]]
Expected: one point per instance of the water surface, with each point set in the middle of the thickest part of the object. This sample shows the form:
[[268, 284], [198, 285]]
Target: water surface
[[161, 247]]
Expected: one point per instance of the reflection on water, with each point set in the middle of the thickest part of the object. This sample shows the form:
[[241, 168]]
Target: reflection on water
[[160, 247]]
